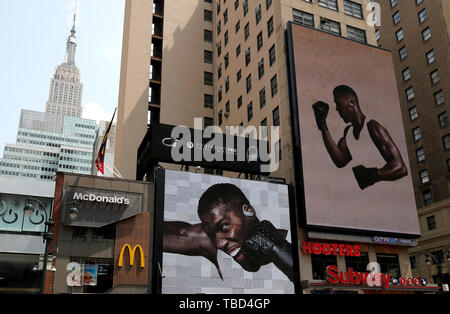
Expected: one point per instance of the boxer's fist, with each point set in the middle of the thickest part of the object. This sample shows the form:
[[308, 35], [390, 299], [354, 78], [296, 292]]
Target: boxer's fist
[[321, 112], [365, 176]]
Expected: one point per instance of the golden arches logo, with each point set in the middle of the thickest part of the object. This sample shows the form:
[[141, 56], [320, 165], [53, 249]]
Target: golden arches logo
[[132, 254]]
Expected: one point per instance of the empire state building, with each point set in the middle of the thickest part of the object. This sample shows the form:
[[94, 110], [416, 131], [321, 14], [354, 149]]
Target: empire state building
[[66, 88]]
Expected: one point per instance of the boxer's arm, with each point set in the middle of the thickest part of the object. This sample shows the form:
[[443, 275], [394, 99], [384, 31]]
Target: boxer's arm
[[340, 155], [395, 167]]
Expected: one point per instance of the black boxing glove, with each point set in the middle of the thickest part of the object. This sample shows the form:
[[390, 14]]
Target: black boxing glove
[[320, 112], [365, 176], [267, 243]]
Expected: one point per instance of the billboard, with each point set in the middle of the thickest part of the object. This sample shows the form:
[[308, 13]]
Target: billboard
[[226, 236], [352, 167]]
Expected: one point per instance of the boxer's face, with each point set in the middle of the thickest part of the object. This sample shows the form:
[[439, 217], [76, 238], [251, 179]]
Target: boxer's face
[[345, 106], [227, 225]]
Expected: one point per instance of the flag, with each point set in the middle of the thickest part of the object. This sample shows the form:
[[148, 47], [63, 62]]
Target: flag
[[99, 162]]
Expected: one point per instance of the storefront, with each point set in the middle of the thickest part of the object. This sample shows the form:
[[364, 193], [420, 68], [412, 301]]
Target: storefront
[[107, 246], [21, 243], [367, 265]]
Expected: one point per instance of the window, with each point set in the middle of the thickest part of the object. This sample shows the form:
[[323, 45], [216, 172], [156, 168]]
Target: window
[[261, 69], [260, 41], [239, 76], [247, 56], [238, 26], [319, 265], [427, 198], [389, 264], [208, 122], [434, 76], [219, 93], [406, 74], [225, 38], [443, 119], [396, 17], [236, 4], [403, 53], [356, 34], [426, 34], [409, 93], [268, 4], [207, 36], [225, 17], [424, 177], [250, 111], [446, 141], [227, 60], [276, 116], [227, 84], [238, 50], [258, 13], [330, 26], [262, 97], [208, 78], [264, 129], [413, 115], [439, 98], [378, 34], [274, 85], [448, 165], [399, 34], [245, 7], [431, 56], [207, 16], [219, 71], [239, 102], [220, 117], [247, 31], [418, 2], [249, 83], [417, 134], [423, 16], [227, 108], [358, 264], [393, 3], [330, 4], [208, 57], [270, 27], [208, 101], [431, 223], [272, 55], [413, 261], [303, 18], [420, 155], [353, 9]]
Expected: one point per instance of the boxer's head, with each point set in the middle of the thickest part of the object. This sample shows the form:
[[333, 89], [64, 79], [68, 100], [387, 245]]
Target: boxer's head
[[347, 103], [228, 219]]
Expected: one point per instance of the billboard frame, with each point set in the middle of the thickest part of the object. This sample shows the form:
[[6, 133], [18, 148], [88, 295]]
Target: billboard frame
[[158, 233], [296, 145]]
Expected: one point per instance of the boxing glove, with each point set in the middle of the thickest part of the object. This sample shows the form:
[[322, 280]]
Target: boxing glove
[[267, 243], [365, 176], [320, 112]]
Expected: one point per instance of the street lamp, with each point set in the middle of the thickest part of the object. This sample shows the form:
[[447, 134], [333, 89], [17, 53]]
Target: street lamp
[[48, 234]]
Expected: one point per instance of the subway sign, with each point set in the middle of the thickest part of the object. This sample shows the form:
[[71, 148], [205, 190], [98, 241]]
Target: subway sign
[[132, 253]]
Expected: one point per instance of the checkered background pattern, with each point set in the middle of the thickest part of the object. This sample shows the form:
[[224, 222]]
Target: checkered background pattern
[[195, 274]]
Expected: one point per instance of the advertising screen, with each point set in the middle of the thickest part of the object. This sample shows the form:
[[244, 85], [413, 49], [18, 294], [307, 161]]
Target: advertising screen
[[352, 167], [226, 236]]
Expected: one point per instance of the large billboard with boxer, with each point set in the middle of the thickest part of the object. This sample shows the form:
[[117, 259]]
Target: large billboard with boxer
[[352, 167], [225, 236]]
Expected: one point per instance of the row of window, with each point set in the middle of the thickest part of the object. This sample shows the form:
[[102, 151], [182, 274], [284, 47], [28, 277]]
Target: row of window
[[307, 19]]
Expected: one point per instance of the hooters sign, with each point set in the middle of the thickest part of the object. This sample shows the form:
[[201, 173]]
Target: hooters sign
[[132, 253]]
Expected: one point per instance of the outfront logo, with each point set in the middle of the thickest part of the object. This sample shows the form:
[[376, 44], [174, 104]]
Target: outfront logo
[[132, 253]]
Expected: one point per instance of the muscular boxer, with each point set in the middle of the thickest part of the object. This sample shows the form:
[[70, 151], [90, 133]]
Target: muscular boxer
[[347, 105]]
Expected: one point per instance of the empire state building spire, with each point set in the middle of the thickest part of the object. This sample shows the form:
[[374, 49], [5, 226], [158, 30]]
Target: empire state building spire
[[66, 89], [71, 46]]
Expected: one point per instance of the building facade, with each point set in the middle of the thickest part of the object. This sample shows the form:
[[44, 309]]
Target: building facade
[[21, 244], [417, 32], [48, 143], [227, 63]]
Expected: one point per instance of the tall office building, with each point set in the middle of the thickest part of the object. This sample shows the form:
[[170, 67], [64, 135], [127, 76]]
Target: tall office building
[[222, 61], [417, 32], [49, 143], [227, 63], [66, 88]]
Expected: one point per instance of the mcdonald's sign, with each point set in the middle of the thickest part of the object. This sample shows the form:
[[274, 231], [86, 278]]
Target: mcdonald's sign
[[132, 254]]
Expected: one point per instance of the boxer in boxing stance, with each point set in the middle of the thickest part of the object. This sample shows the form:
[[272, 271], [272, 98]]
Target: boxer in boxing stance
[[229, 223], [347, 105]]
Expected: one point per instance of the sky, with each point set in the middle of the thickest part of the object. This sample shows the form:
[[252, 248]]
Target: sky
[[33, 38]]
